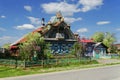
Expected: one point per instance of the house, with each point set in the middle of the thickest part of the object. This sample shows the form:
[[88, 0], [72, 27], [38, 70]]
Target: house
[[92, 49], [2, 50], [4, 53], [59, 35], [99, 50], [118, 48], [56, 32]]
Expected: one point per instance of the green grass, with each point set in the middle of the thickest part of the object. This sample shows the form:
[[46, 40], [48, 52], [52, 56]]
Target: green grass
[[6, 71]]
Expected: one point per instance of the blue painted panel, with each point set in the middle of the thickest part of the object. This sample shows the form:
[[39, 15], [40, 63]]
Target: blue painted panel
[[61, 48]]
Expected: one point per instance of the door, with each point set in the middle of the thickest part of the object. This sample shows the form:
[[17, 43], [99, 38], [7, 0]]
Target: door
[[97, 53]]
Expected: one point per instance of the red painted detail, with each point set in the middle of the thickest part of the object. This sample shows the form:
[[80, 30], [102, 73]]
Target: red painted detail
[[13, 47], [86, 40]]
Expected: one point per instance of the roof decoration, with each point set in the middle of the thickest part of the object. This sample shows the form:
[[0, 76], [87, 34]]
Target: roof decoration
[[45, 28], [58, 19]]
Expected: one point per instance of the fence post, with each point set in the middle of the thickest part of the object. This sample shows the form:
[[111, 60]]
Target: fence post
[[42, 63], [56, 61], [24, 64], [16, 62], [79, 60], [68, 61]]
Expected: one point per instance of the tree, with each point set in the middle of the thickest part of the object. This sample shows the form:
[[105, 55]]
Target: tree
[[78, 49], [106, 38], [47, 51], [29, 50], [28, 47], [7, 45], [109, 39], [34, 47], [98, 37], [113, 49]]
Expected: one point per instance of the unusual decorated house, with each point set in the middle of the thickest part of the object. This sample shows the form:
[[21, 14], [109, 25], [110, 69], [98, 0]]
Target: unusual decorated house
[[57, 33]]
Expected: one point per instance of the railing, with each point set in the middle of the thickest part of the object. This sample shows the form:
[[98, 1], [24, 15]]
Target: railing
[[43, 63], [11, 62], [113, 55], [59, 35]]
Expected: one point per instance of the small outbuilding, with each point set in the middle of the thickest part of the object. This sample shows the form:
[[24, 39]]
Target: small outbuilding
[[99, 50], [92, 49]]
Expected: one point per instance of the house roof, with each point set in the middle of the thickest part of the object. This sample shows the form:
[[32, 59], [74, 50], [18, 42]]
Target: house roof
[[24, 38], [84, 40], [117, 45], [38, 29], [99, 43]]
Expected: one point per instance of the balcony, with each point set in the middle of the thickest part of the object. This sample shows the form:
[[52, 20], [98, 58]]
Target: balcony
[[59, 35]]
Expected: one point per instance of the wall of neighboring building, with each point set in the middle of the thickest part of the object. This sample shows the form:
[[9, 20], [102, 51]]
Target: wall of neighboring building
[[2, 50], [118, 48], [4, 53], [96, 50]]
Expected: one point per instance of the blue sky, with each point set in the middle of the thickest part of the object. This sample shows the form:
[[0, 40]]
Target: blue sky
[[18, 17]]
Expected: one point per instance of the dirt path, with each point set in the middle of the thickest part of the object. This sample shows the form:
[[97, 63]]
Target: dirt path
[[108, 61]]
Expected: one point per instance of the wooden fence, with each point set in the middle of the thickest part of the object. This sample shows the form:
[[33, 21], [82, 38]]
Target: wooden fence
[[43, 63]]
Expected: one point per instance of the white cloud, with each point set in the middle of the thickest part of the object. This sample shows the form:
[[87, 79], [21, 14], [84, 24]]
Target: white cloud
[[88, 5], [4, 37], [67, 19], [68, 9], [71, 20], [82, 30], [2, 16], [25, 26], [35, 21], [28, 8], [7, 39], [64, 7], [2, 29], [103, 22], [118, 29]]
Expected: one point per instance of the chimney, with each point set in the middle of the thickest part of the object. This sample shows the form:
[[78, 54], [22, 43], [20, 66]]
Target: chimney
[[43, 22]]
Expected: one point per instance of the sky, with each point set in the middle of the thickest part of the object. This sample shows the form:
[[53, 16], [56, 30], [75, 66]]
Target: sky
[[19, 17]]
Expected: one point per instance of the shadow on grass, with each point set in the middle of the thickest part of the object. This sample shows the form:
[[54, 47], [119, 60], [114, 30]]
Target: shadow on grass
[[3, 69]]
